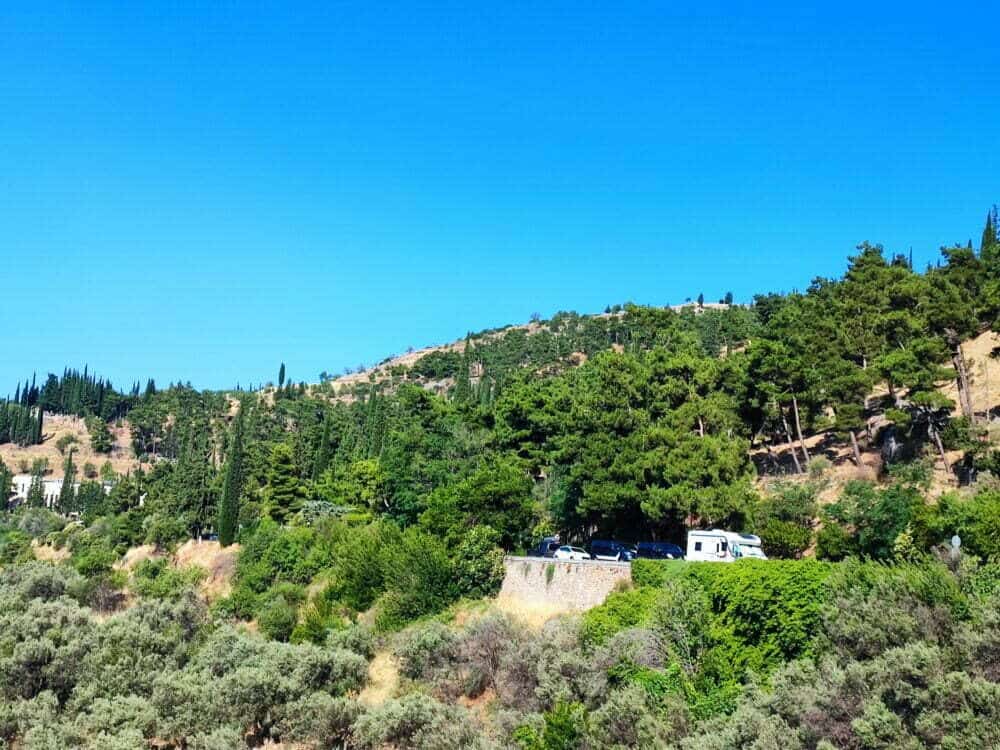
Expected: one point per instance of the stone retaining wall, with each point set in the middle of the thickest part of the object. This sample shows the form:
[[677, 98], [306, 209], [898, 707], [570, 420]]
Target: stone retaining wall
[[556, 586]]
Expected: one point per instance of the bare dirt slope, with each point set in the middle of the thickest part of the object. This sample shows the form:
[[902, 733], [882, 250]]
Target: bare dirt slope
[[218, 562], [56, 426], [984, 372]]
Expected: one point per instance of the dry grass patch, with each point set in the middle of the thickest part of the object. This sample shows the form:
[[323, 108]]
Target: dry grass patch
[[383, 680], [218, 562]]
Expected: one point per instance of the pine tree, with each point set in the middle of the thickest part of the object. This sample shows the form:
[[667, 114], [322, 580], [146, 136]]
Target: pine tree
[[232, 487]]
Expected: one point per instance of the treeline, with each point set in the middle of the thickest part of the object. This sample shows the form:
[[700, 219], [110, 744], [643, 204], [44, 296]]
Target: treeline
[[80, 394], [643, 439], [21, 424]]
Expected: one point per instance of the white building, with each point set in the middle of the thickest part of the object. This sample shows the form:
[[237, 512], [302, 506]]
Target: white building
[[50, 489]]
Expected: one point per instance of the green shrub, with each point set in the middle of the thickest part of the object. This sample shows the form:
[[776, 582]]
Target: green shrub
[[423, 647], [15, 546], [564, 728], [771, 606], [628, 609], [241, 604], [793, 502], [478, 563], [835, 543], [872, 607], [784, 539], [277, 618], [317, 619], [164, 531], [158, 579], [92, 555]]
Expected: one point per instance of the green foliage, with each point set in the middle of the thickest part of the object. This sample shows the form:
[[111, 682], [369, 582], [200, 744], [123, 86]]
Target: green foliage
[[284, 494], [92, 555], [478, 562], [835, 543], [563, 728], [277, 618], [784, 539], [620, 611], [877, 515], [771, 609], [101, 439], [232, 486], [157, 579]]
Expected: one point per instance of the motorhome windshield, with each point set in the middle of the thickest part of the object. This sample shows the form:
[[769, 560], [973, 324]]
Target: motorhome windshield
[[748, 550]]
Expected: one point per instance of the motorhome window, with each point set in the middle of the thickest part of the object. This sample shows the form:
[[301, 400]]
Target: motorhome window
[[697, 546], [723, 545]]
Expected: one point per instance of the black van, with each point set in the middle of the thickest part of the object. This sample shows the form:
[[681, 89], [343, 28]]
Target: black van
[[545, 548], [604, 549], [659, 551]]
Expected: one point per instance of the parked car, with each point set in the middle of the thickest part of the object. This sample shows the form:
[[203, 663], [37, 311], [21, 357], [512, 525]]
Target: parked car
[[717, 545], [545, 548], [659, 551], [604, 549], [566, 552]]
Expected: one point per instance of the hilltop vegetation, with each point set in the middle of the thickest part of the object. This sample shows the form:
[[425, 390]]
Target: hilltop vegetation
[[370, 510]]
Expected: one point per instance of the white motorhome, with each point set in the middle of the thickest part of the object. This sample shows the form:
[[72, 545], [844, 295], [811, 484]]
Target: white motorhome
[[716, 545]]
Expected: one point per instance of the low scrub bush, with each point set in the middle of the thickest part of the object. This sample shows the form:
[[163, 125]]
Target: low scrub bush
[[158, 579]]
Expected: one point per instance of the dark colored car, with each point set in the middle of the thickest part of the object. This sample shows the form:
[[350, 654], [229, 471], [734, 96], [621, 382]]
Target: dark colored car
[[545, 548], [659, 551], [605, 549]]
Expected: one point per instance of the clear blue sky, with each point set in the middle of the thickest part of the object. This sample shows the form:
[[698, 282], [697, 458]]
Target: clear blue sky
[[200, 191]]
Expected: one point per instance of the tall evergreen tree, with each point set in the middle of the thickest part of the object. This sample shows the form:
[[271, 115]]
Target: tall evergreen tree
[[324, 451], [463, 387], [232, 486], [990, 232], [67, 494], [284, 493], [36, 491], [6, 488], [100, 435], [281, 376]]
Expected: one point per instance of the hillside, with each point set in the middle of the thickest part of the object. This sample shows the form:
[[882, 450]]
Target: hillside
[[57, 426], [542, 346], [365, 587]]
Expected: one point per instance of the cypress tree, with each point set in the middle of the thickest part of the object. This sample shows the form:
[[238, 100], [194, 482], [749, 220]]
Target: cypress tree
[[67, 495], [232, 487], [323, 451], [36, 492], [284, 493], [281, 375], [6, 479], [463, 386], [989, 233]]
